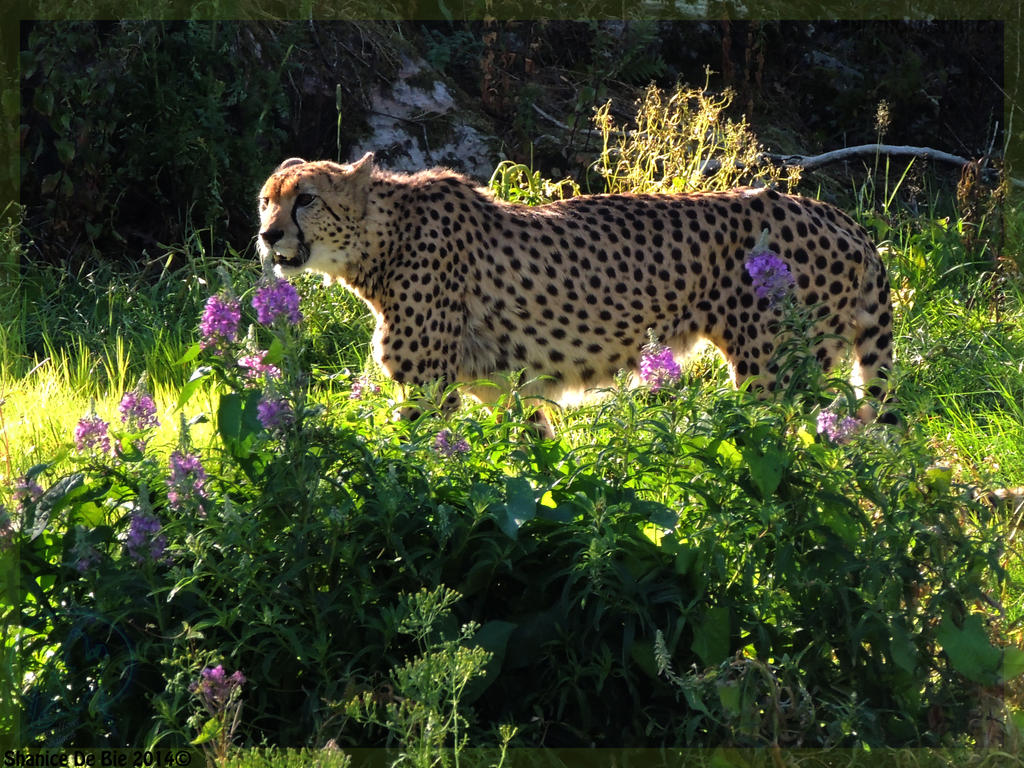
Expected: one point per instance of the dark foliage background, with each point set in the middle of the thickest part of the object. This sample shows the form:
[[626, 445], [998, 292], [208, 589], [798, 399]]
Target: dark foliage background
[[135, 134]]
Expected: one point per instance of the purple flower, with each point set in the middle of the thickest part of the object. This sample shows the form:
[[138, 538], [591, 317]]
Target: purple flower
[[658, 366], [84, 555], [276, 299], [138, 411], [256, 368], [274, 414], [7, 532], [771, 276], [91, 433], [448, 444], [215, 687], [361, 386], [835, 429], [144, 541], [187, 481], [26, 492], [219, 326], [88, 558]]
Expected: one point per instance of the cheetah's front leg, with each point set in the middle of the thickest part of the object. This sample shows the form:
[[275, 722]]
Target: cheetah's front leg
[[419, 347]]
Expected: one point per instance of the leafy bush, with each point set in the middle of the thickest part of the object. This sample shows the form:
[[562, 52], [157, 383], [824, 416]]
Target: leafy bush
[[518, 183], [682, 143], [683, 566], [132, 131]]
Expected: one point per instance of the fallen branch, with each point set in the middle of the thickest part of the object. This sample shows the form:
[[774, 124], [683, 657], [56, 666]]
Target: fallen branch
[[837, 155]]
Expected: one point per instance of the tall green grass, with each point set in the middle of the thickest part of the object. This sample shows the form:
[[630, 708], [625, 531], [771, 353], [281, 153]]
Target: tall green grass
[[959, 348], [82, 339], [958, 333]]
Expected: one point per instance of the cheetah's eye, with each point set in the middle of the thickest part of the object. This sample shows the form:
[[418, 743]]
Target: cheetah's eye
[[264, 202], [304, 199]]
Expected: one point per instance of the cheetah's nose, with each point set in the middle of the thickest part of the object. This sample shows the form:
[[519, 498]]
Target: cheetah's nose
[[271, 236]]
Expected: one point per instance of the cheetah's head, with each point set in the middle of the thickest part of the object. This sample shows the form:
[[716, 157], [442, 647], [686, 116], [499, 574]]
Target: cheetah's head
[[311, 214]]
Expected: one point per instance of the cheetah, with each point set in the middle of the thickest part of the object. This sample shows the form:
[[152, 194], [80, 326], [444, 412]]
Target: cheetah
[[465, 287]]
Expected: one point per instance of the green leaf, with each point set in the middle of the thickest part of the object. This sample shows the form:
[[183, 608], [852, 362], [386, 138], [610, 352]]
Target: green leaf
[[969, 650], [181, 585], [49, 183], [686, 557], [563, 513], [522, 502], [939, 479], [520, 506], [841, 522], [49, 501], [655, 512], [493, 638], [711, 636], [199, 375], [642, 654], [211, 730], [765, 469], [43, 101], [729, 455], [695, 702], [89, 514], [902, 648], [482, 496], [1017, 720], [729, 695], [229, 419], [190, 354], [1013, 663], [275, 353], [238, 422], [35, 470], [128, 450], [65, 151]]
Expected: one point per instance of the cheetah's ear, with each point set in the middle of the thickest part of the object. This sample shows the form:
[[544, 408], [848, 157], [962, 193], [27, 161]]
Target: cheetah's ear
[[359, 184], [366, 161], [289, 163]]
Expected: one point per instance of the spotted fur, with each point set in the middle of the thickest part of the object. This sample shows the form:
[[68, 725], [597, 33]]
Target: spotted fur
[[464, 286]]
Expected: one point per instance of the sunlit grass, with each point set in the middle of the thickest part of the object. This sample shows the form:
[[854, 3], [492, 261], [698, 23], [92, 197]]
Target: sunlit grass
[[41, 408], [960, 374]]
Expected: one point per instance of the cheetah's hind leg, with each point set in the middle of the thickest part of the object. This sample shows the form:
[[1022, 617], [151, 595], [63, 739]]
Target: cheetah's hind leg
[[872, 345], [509, 400]]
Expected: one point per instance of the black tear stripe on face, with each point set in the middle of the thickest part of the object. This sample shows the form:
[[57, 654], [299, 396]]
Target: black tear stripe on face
[[295, 218]]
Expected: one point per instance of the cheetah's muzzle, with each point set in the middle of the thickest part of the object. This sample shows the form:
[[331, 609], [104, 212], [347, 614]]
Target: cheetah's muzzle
[[270, 237], [296, 260]]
